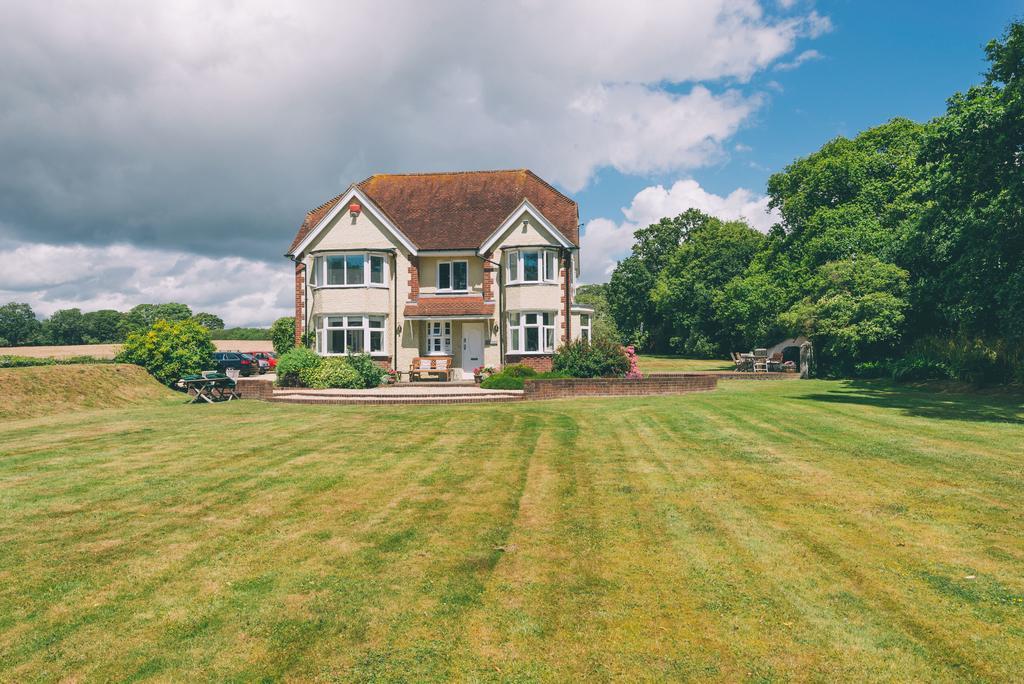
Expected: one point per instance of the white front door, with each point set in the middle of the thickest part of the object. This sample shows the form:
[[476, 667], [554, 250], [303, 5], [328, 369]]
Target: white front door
[[472, 347]]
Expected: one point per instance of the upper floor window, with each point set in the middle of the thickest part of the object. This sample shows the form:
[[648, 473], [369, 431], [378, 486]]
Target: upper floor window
[[532, 266], [453, 276], [351, 270]]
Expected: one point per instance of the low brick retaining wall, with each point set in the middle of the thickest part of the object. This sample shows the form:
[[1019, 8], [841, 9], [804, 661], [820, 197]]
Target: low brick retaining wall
[[655, 383], [730, 375], [255, 388]]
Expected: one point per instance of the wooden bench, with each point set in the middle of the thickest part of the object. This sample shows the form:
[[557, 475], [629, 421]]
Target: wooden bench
[[431, 365]]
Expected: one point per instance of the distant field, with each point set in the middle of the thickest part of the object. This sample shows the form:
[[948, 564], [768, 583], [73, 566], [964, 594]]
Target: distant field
[[656, 363], [108, 351], [767, 531]]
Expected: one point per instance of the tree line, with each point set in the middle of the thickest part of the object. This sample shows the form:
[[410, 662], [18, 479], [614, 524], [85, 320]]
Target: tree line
[[904, 242], [20, 326]]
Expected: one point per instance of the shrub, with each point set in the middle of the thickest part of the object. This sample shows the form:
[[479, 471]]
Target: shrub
[[282, 334], [597, 359], [518, 370], [918, 368], [505, 381], [370, 373], [169, 350], [332, 372], [27, 361], [291, 364]]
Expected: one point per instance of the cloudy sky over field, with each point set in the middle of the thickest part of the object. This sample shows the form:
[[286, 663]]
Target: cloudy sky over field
[[168, 151]]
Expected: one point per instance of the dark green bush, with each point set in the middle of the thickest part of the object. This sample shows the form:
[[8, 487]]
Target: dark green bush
[[597, 359], [282, 333], [518, 370], [291, 364], [917, 369], [515, 382], [370, 374], [332, 372], [27, 361]]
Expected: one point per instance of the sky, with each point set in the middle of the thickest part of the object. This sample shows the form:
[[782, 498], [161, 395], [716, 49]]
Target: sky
[[168, 151]]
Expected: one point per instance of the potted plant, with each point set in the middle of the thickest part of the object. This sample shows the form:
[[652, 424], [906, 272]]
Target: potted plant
[[393, 376], [482, 372]]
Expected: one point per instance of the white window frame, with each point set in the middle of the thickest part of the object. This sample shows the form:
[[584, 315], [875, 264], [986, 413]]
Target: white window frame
[[451, 276], [439, 331], [324, 328], [518, 324], [319, 270], [586, 328], [547, 266]]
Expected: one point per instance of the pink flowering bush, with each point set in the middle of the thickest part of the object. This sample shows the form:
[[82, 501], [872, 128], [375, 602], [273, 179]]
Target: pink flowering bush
[[634, 364]]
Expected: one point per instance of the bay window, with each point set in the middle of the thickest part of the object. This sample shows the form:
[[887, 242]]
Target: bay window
[[532, 266], [585, 327], [453, 276], [348, 270], [531, 332], [350, 334]]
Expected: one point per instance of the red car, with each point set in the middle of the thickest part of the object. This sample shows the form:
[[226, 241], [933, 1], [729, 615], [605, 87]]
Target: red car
[[269, 357]]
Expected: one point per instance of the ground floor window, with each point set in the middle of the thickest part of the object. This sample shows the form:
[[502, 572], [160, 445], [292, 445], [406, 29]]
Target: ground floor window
[[531, 332], [351, 334], [585, 327], [439, 338]]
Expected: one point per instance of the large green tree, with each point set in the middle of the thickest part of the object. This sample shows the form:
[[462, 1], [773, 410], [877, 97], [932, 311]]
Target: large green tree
[[18, 323], [971, 242], [65, 326], [712, 253], [103, 326]]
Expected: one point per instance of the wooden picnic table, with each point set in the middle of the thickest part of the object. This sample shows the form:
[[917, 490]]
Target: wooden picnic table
[[209, 388]]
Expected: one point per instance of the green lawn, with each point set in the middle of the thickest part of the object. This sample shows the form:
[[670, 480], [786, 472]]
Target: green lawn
[[766, 531], [660, 363]]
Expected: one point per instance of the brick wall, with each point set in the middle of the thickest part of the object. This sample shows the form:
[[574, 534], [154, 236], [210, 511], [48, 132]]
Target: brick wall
[[255, 388], [667, 383], [300, 296], [538, 362]]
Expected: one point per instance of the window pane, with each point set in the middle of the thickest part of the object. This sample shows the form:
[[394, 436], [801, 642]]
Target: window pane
[[355, 321], [314, 276], [354, 340], [584, 319], [513, 266], [377, 270], [549, 336], [460, 275], [335, 270], [376, 340], [513, 318], [585, 334], [336, 342], [376, 321], [532, 339], [354, 269], [335, 321], [551, 269], [549, 319], [444, 276], [531, 319], [531, 267], [515, 339]]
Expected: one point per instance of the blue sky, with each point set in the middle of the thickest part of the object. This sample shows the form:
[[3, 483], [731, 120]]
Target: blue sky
[[168, 151], [880, 60]]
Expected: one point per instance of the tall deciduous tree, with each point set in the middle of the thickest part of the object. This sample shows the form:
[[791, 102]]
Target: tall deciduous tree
[[18, 324]]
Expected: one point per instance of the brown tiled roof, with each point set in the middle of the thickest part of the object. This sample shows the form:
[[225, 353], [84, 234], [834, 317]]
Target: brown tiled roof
[[449, 306], [457, 210]]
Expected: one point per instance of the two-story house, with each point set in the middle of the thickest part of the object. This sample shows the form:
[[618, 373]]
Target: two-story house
[[480, 266]]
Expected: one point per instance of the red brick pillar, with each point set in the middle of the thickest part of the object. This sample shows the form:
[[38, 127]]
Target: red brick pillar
[[300, 301], [414, 278], [489, 269]]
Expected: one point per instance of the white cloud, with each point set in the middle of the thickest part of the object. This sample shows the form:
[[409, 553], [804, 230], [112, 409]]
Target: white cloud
[[805, 56], [51, 277], [606, 241]]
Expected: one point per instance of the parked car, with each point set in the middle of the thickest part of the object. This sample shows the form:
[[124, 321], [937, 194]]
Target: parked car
[[269, 357], [244, 363]]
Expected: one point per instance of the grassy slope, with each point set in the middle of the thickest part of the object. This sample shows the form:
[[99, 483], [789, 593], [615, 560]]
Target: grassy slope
[[806, 530], [656, 363], [54, 390]]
